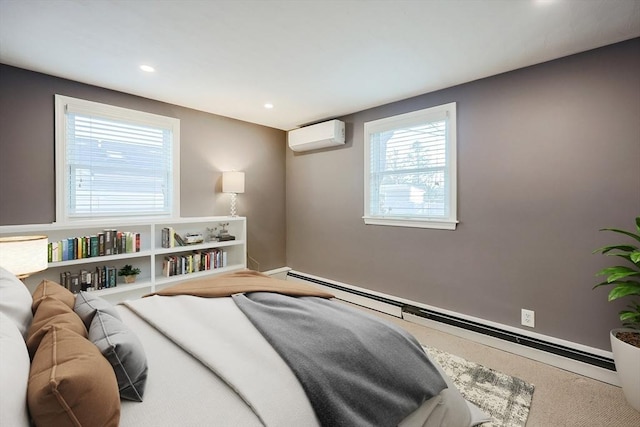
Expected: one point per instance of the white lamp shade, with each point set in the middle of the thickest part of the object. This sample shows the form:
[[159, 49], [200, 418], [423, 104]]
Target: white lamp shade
[[233, 182], [23, 255]]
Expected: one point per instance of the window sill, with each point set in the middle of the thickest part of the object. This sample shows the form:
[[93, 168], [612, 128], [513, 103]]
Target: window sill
[[411, 222]]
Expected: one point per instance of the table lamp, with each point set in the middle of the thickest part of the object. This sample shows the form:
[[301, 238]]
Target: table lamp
[[24, 255], [233, 182]]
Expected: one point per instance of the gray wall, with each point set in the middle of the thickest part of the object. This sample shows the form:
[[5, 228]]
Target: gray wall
[[210, 144], [547, 155]]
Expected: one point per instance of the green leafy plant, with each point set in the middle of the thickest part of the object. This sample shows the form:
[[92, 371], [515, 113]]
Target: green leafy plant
[[624, 279], [128, 270]]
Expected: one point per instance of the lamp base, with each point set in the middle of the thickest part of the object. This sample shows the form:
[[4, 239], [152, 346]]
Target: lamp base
[[233, 204]]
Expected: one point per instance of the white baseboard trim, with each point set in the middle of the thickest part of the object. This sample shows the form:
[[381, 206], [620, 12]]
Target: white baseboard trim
[[356, 299], [576, 366]]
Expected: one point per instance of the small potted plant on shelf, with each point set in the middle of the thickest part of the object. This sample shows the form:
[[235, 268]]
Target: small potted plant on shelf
[[129, 273], [625, 342]]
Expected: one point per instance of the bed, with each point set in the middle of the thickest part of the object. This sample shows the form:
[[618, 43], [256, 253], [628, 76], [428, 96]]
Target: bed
[[240, 349]]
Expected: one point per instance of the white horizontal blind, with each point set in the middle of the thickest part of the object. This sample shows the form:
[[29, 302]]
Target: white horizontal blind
[[115, 167], [409, 167]]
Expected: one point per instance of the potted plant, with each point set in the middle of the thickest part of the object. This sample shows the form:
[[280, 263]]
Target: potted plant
[[625, 282], [129, 273]]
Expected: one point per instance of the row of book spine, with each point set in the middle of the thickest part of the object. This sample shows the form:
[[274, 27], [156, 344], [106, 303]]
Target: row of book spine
[[85, 280], [171, 239], [108, 242], [191, 263]]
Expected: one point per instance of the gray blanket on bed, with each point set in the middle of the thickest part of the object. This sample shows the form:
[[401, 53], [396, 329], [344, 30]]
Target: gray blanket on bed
[[356, 369]]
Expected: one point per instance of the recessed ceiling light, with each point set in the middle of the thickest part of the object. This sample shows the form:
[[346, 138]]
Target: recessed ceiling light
[[147, 68], [268, 105]]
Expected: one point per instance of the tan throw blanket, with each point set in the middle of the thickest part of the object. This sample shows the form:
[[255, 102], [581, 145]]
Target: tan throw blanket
[[244, 281]]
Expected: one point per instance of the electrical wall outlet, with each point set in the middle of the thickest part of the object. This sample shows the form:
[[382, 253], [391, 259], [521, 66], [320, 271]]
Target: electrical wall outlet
[[528, 318]]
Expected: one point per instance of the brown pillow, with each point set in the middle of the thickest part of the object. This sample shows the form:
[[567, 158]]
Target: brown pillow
[[47, 288], [71, 383], [52, 311]]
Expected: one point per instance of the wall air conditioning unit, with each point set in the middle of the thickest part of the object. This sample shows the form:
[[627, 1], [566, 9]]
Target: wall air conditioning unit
[[321, 135]]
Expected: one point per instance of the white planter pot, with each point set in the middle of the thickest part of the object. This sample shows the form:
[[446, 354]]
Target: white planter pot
[[627, 358]]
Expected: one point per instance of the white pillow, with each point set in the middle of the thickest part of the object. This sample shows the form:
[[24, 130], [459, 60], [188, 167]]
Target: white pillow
[[15, 301], [14, 375]]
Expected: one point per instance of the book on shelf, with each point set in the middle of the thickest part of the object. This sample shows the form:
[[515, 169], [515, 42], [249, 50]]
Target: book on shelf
[[108, 243], [111, 277], [73, 251], [121, 243], [164, 237], [86, 246], [74, 285], [85, 280], [101, 244], [178, 239], [167, 237], [94, 248]]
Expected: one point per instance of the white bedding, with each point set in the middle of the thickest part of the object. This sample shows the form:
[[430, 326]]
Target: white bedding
[[216, 332], [210, 366], [180, 390]]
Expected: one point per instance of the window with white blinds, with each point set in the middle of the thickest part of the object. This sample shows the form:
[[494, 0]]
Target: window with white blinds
[[410, 169], [113, 162]]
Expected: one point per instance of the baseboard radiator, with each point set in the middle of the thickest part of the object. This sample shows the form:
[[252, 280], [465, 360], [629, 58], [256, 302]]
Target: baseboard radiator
[[509, 336]]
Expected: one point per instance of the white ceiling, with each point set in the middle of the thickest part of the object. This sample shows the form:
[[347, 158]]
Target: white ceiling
[[314, 60]]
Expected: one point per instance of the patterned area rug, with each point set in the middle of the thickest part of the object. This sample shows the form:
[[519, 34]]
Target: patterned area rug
[[507, 399]]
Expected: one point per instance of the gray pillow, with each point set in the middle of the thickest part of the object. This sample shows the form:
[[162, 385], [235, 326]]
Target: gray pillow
[[122, 348], [87, 304]]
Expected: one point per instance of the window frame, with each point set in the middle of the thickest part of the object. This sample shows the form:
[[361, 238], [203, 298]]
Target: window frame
[[406, 120], [114, 113]]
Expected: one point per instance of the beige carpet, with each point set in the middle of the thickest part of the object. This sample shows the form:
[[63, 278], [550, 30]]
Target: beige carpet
[[561, 398]]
